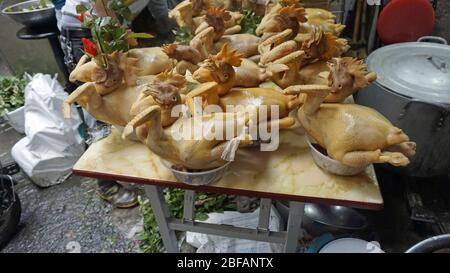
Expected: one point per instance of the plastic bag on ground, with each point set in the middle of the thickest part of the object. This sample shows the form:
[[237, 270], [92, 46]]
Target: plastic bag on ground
[[52, 144], [206, 243], [16, 119]]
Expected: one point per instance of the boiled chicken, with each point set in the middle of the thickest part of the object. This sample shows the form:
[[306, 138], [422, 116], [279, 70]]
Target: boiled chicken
[[178, 143], [352, 134]]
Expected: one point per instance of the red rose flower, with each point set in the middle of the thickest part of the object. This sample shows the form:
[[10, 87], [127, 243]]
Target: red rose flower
[[81, 17], [89, 47]]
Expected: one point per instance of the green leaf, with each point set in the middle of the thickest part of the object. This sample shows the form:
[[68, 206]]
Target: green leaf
[[183, 35], [151, 241], [42, 3], [142, 236], [127, 14], [127, 2], [249, 21], [12, 93], [201, 216], [140, 35], [80, 9]]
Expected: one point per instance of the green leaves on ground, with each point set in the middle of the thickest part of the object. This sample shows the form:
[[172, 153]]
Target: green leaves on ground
[[150, 240], [12, 93]]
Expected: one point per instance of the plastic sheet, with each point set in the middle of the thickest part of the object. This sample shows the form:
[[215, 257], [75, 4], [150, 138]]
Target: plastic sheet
[[218, 244], [52, 144]]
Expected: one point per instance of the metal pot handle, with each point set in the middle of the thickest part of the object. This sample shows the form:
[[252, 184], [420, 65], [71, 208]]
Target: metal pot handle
[[433, 39], [441, 106]]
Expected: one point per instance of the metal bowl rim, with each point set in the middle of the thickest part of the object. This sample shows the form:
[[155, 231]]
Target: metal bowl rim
[[310, 144], [51, 6], [167, 164], [357, 214]]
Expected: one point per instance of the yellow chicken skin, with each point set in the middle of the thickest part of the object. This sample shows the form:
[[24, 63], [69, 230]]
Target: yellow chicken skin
[[352, 134]]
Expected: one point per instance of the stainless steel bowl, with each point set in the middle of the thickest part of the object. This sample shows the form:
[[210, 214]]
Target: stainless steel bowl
[[338, 217], [198, 178], [32, 18], [320, 219], [330, 165]]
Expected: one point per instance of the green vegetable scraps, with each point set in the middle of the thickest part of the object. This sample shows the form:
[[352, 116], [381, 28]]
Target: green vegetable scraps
[[12, 93]]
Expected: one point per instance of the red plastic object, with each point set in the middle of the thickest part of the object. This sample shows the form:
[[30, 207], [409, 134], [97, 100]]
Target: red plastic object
[[405, 21]]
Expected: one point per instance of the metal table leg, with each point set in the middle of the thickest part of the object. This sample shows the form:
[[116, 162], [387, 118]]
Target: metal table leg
[[264, 215], [168, 225], [293, 226], [189, 208], [161, 211]]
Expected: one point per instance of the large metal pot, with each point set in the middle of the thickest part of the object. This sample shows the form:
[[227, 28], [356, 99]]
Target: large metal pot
[[413, 91]]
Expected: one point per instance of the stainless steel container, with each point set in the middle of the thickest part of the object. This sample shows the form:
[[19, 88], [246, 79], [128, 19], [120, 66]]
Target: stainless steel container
[[413, 91], [33, 18], [320, 219], [198, 178], [331, 165]]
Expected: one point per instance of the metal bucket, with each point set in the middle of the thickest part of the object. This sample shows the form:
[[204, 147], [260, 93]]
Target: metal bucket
[[412, 91]]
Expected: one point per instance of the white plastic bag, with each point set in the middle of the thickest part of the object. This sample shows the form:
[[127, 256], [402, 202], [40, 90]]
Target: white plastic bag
[[16, 119], [206, 243], [52, 144]]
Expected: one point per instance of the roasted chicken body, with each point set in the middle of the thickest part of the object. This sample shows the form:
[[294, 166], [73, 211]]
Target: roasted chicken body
[[357, 135], [151, 60], [113, 108], [178, 143], [352, 134], [244, 43], [256, 97]]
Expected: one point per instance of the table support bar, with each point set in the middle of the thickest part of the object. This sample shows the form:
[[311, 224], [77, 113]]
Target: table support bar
[[189, 206], [264, 214], [293, 226], [229, 231], [162, 214]]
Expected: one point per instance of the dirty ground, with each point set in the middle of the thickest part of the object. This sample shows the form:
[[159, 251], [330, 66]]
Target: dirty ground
[[63, 217]]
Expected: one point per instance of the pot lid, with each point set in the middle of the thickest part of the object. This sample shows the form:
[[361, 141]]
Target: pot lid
[[416, 70]]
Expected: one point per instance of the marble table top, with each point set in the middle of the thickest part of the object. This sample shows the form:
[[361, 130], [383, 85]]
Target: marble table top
[[288, 173]]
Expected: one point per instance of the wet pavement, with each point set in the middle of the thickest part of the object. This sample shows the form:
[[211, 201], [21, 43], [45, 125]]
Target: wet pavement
[[68, 217]]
